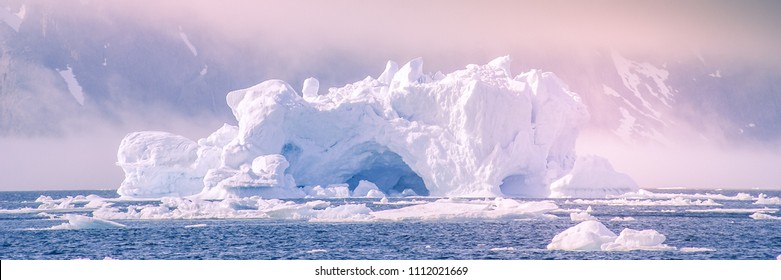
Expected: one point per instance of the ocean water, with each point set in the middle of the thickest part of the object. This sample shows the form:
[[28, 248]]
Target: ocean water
[[725, 231]]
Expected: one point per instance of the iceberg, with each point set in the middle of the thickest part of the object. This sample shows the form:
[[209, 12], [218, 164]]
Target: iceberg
[[592, 177], [585, 236], [476, 132]]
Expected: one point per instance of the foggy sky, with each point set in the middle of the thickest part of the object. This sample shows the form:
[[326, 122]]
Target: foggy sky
[[449, 35]]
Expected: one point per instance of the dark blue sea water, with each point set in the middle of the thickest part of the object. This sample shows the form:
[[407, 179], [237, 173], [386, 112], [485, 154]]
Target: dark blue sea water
[[726, 235]]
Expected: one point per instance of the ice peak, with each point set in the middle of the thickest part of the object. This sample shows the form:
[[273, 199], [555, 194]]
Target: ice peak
[[310, 88], [502, 63], [390, 70], [410, 73]]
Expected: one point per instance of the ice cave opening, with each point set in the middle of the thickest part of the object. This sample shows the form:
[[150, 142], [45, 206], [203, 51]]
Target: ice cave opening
[[390, 173], [518, 185]]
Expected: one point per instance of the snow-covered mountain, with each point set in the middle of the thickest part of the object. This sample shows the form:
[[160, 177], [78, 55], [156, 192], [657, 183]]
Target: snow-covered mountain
[[55, 74], [90, 61], [642, 100]]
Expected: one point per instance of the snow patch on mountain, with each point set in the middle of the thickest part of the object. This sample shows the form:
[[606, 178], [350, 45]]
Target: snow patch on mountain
[[644, 79], [186, 41], [13, 20], [627, 123], [73, 85]]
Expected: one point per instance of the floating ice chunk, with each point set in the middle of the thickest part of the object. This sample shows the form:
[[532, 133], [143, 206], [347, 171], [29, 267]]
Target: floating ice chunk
[[196, 226], [73, 85], [367, 189], [310, 88], [51, 204], [594, 236], [592, 177], [764, 199], [585, 236], [98, 203], [65, 204], [763, 216], [622, 219], [502, 249], [84, 222], [696, 249], [581, 216], [313, 251], [631, 239]]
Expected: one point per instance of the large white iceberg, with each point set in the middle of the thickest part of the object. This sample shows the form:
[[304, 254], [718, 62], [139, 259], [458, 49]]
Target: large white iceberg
[[476, 132]]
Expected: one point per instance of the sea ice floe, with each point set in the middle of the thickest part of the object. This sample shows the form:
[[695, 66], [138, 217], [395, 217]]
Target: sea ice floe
[[447, 209], [734, 210], [763, 216], [675, 201], [581, 216], [764, 199], [324, 211], [502, 249], [84, 222], [313, 251], [645, 194], [594, 236], [65, 204], [622, 219], [196, 226], [696, 249]]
